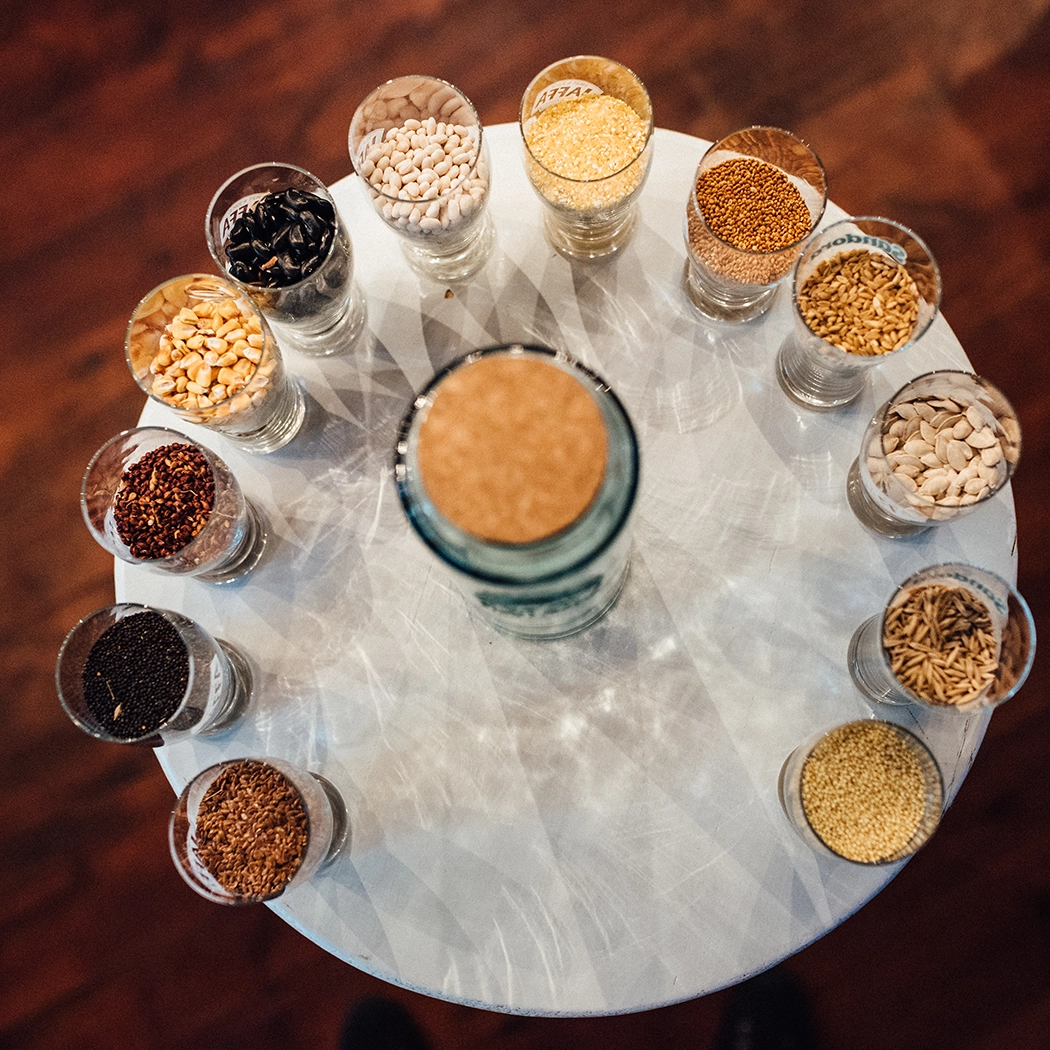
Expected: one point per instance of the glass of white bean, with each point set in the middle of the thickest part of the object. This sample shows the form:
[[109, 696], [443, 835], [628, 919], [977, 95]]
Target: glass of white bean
[[416, 142]]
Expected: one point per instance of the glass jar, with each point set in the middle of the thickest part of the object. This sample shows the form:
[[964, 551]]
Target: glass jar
[[535, 583]]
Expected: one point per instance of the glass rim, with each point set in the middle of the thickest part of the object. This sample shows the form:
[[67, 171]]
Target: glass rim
[[935, 304], [910, 737], [177, 437], [355, 153], [215, 250], [978, 703], [814, 220], [118, 611], [237, 293], [649, 129], [464, 538], [217, 893]]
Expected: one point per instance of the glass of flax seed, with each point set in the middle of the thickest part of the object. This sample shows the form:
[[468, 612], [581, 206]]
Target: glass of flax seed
[[952, 636], [250, 829], [869, 792], [756, 197], [153, 497], [518, 467], [864, 289], [587, 125]]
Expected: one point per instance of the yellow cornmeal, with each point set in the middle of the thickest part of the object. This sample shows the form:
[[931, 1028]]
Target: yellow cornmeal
[[591, 137], [512, 449]]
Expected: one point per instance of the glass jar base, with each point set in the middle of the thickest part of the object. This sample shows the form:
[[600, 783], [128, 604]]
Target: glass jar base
[[552, 627], [581, 239], [457, 265], [869, 514], [811, 387], [726, 306], [283, 425]]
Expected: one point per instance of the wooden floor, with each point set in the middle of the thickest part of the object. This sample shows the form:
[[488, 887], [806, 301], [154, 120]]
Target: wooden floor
[[119, 119]]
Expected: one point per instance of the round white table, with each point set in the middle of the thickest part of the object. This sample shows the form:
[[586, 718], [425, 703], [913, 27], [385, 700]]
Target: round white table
[[592, 825]]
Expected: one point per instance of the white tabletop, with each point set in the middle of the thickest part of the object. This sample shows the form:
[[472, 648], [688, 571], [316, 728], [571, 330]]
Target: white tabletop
[[589, 825]]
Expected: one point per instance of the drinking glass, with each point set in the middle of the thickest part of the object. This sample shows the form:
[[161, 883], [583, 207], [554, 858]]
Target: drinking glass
[[417, 143], [944, 444], [882, 821], [177, 335], [326, 827], [226, 547], [589, 198], [929, 673], [733, 265], [321, 312], [524, 491], [164, 674], [839, 334]]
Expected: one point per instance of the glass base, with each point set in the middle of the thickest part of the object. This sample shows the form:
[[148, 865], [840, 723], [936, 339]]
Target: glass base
[[869, 514], [724, 300], [246, 556], [809, 385], [589, 239], [856, 661], [340, 821], [339, 337], [280, 428], [457, 265], [233, 710]]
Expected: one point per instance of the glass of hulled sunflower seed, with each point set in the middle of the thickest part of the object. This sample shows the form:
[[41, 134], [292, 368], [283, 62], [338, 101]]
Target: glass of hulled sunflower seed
[[864, 289], [952, 636]]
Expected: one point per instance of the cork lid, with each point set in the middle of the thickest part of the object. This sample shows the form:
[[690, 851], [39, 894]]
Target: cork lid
[[513, 449]]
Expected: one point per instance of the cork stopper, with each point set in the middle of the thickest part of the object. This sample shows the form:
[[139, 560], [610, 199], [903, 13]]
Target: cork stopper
[[513, 449]]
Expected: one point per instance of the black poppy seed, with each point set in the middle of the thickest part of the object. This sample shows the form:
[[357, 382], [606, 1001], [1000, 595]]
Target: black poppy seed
[[135, 675]]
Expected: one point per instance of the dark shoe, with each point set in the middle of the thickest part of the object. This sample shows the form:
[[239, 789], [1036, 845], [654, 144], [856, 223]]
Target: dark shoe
[[768, 1012], [376, 1023]]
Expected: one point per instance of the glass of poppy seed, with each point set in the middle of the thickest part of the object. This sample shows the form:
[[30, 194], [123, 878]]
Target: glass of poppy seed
[[952, 636], [129, 673], [152, 496], [250, 829], [275, 231], [863, 289], [587, 124], [756, 197], [869, 792], [200, 346]]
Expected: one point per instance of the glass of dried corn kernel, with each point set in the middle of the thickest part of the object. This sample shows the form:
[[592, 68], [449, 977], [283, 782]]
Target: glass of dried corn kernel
[[869, 792], [198, 345], [863, 289], [951, 636], [251, 829], [756, 196], [941, 446], [587, 127]]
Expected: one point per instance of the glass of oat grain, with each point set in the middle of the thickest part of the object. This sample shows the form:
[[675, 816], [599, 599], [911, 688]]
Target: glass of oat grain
[[864, 289], [587, 125], [756, 196], [952, 636]]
